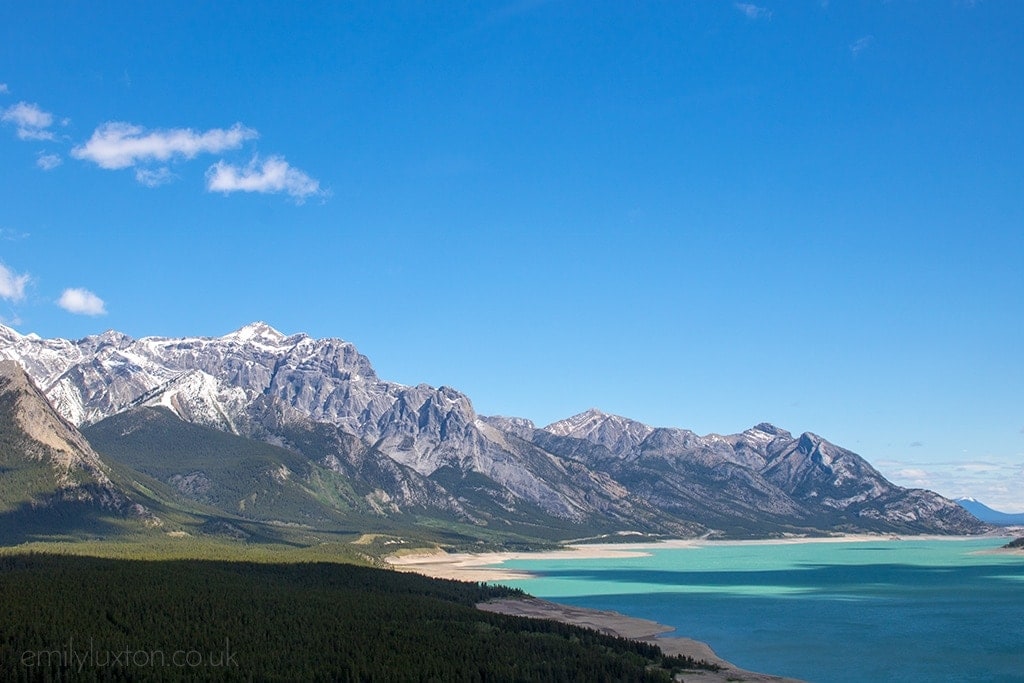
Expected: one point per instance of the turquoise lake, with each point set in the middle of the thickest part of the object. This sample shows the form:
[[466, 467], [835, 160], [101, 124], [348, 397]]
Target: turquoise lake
[[900, 610]]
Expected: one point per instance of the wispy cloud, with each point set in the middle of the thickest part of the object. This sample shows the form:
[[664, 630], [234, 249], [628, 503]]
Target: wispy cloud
[[997, 483], [3, 89], [12, 235], [31, 122], [12, 285], [861, 44], [918, 476], [116, 145], [81, 302], [272, 175], [154, 177], [752, 11], [48, 162]]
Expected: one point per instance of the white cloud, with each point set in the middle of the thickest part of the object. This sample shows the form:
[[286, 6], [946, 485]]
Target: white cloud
[[31, 121], [996, 482], [911, 473], [981, 467], [117, 145], [81, 302], [751, 11], [861, 44], [48, 162], [154, 177], [12, 285], [273, 175]]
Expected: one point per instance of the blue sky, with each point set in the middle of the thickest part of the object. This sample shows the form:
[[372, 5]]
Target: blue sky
[[694, 213]]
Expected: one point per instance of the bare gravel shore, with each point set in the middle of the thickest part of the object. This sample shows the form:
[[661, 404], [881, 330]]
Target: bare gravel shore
[[486, 566], [623, 626]]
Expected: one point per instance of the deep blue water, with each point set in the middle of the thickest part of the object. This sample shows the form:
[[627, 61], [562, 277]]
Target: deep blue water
[[853, 611]]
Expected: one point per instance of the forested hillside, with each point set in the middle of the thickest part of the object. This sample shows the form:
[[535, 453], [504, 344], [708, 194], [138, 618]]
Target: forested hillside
[[85, 619]]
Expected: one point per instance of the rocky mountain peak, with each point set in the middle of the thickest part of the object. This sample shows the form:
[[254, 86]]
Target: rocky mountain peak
[[256, 331], [614, 432], [812, 443], [581, 422], [768, 429], [504, 421], [7, 334], [77, 469], [35, 416], [12, 374], [323, 397], [111, 338]]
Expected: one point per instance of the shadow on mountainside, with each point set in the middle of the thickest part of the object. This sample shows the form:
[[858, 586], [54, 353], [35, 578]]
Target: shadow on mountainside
[[63, 520]]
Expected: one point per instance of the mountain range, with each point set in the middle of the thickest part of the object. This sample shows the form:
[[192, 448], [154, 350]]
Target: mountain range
[[288, 431], [990, 516]]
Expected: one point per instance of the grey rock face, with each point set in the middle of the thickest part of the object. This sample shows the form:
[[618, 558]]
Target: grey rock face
[[760, 481], [426, 448], [76, 472], [229, 382]]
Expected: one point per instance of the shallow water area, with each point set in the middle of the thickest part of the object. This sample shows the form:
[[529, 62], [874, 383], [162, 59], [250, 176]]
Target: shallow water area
[[879, 610]]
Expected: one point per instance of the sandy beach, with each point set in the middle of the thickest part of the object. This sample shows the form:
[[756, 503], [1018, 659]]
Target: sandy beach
[[481, 566]]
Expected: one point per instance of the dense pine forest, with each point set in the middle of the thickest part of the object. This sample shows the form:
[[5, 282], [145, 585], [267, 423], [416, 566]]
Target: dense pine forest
[[68, 618]]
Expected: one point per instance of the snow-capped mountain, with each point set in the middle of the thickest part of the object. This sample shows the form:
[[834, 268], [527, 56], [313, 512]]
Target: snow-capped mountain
[[237, 381], [99, 376], [426, 448]]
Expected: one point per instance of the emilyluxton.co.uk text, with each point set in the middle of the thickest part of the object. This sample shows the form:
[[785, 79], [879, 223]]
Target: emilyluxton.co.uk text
[[79, 658]]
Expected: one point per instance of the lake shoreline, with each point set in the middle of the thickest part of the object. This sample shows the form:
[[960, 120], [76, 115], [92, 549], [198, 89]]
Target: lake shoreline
[[633, 628], [487, 567], [466, 566]]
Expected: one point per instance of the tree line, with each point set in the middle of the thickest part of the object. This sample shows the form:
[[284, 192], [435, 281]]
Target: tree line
[[65, 618]]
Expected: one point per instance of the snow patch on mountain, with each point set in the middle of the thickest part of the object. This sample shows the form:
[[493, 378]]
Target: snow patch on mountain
[[420, 447]]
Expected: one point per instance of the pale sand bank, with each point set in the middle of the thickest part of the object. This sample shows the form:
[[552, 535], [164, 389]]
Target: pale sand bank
[[486, 566], [481, 566], [613, 623]]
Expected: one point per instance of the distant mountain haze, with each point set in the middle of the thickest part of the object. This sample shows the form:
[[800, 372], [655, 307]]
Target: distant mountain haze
[[987, 514]]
